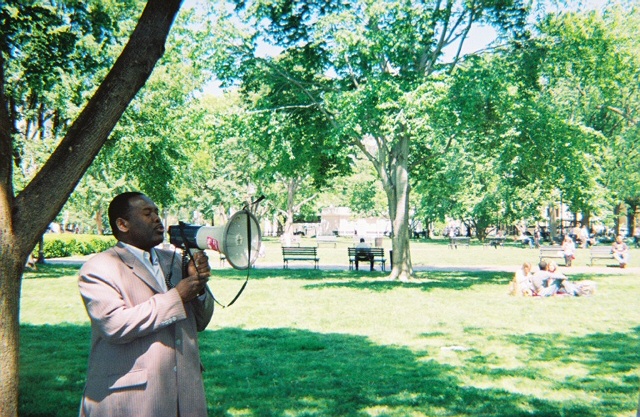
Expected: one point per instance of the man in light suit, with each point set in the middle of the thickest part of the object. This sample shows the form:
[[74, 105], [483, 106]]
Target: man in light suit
[[145, 315]]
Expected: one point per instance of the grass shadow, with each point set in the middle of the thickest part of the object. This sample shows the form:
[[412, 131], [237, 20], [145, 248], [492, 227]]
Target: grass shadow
[[295, 273], [53, 366], [278, 372], [426, 281], [289, 372], [51, 271]]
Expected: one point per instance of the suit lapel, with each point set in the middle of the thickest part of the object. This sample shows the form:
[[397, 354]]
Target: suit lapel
[[137, 267], [170, 263]]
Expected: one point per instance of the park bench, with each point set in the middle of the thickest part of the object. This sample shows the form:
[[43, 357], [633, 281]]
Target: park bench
[[600, 252], [459, 240], [357, 255], [551, 252], [328, 240], [299, 253]]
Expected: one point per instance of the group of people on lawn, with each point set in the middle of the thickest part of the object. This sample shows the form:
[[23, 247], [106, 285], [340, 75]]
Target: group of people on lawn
[[547, 281], [619, 250]]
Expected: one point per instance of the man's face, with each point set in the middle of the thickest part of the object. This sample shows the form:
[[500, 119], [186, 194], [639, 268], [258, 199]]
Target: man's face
[[143, 228]]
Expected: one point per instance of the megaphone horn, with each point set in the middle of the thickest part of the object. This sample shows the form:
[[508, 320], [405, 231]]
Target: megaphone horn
[[239, 240]]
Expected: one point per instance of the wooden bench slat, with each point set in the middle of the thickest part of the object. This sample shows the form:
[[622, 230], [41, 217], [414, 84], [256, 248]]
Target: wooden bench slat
[[377, 255], [459, 240], [328, 240], [551, 252], [600, 252], [300, 253]]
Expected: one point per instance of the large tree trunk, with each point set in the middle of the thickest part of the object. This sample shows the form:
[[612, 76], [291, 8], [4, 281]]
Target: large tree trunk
[[10, 272], [24, 219], [398, 196], [393, 168]]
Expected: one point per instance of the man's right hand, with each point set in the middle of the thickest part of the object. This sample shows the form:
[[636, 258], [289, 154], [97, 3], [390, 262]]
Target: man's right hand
[[191, 287]]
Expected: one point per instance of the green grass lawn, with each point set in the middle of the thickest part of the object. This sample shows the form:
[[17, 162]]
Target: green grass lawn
[[341, 343]]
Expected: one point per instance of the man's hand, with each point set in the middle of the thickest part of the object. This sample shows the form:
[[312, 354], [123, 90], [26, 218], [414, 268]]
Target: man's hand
[[198, 272]]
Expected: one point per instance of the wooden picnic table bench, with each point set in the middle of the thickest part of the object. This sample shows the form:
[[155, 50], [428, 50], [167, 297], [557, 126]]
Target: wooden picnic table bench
[[371, 255], [300, 253], [600, 252], [459, 240]]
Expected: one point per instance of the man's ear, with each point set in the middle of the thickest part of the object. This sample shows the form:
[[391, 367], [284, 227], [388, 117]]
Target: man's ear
[[122, 225]]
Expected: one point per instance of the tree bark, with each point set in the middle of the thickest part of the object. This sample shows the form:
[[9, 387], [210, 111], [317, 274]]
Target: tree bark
[[393, 169], [398, 196], [25, 217]]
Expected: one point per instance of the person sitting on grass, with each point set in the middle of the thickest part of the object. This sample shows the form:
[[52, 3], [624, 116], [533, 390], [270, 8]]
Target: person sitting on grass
[[620, 251], [560, 281], [521, 282], [540, 281]]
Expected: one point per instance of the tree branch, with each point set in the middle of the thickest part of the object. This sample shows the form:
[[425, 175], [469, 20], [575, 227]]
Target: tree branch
[[45, 195]]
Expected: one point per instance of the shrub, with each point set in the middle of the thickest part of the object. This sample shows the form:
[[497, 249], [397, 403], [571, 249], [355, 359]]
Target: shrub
[[56, 249], [63, 245]]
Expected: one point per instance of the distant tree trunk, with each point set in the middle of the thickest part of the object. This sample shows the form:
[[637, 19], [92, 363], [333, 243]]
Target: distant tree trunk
[[292, 185], [99, 224], [586, 218], [25, 217]]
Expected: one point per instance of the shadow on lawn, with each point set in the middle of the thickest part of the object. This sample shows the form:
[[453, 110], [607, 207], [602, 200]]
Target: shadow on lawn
[[376, 281], [278, 372], [426, 281], [51, 271]]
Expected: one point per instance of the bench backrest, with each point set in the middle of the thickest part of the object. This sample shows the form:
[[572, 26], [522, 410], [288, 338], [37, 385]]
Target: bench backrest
[[601, 249], [550, 249], [301, 250], [366, 251]]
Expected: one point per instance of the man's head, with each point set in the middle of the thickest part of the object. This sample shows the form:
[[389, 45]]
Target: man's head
[[361, 240], [134, 219], [543, 265]]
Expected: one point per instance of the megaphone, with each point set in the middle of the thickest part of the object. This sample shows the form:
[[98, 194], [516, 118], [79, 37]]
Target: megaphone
[[239, 240]]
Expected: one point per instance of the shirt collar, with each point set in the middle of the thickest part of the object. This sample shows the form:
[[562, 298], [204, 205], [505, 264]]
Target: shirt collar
[[139, 253]]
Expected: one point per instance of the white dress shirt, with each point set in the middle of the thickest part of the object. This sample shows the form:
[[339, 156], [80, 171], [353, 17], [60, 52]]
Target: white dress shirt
[[150, 260]]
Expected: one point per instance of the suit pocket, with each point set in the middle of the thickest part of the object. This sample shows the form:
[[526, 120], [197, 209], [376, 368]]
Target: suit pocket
[[134, 378]]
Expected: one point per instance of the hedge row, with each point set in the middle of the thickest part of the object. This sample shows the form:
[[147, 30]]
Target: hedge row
[[82, 245]]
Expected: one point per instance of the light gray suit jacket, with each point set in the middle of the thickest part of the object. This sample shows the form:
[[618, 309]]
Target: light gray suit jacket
[[144, 358]]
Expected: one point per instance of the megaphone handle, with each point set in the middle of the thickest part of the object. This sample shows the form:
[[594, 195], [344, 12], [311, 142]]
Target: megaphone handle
[[185, 263], [186, 257]]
